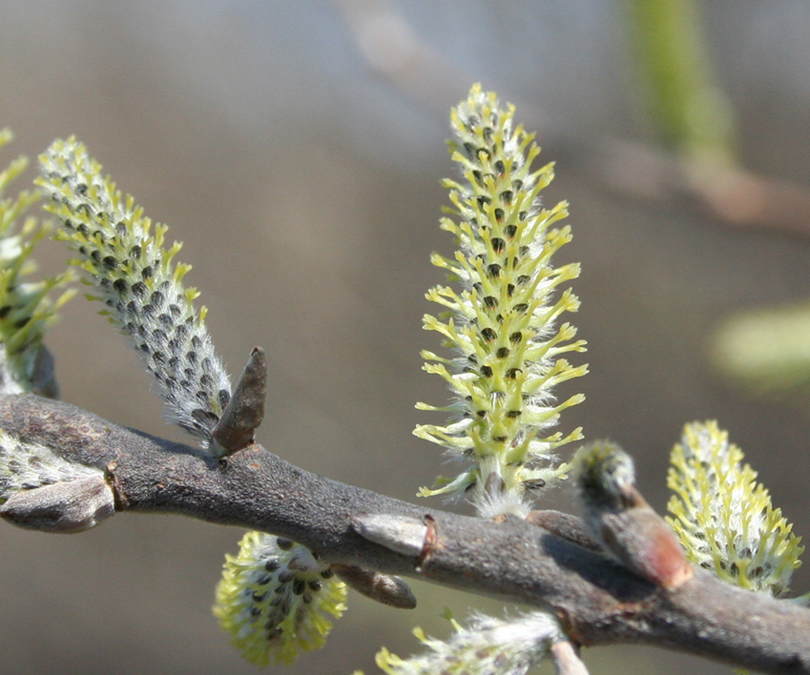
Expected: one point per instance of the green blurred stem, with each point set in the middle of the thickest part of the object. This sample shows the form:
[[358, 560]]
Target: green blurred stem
[[690, 110]]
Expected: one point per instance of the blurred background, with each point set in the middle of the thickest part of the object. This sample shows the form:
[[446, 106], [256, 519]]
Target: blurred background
[[296, 149]]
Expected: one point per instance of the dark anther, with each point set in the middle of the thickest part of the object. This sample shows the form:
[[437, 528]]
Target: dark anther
[[469, 148], [139, 288], [511, 231], [477, 175], [286, 576], [534, 483], [502, 352], [482, 200], [516, 337], [120, 285], [271, 565], [512, 373], [521, 308], [299, 585], [499, 215], [481, 413], [81, 188], [327, 574], [500, 167], [512, 414], [315, 585], [491, 301], [522, 215], [493, 270], [506, 196], [500, 439], [146, 272], [488, 334], [498, 245], [523, 279], [478, 287], [149, 311], [157, 299], [486, 371], [510, 289], [517, 184], [121, 228]]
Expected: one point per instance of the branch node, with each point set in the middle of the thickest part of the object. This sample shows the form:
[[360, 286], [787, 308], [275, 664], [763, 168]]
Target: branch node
[[384, 588], [397, 533]]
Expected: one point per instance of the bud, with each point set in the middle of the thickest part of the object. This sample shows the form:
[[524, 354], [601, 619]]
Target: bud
[[623, 522], [63, 507]]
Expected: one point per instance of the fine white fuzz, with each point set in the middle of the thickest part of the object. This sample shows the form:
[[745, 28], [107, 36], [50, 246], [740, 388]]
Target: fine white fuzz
[[488, 645]]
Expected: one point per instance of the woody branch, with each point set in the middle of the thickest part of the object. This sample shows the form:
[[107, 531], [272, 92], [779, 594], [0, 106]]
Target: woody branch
[[597, 600]]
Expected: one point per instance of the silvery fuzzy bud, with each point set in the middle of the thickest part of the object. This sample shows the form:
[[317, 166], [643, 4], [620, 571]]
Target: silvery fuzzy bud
[[140, 286], [64, 507]]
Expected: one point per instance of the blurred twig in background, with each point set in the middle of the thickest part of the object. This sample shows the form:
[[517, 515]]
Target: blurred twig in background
[[690, 111]]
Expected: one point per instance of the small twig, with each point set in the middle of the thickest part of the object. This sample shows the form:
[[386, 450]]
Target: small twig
[[566, 659]]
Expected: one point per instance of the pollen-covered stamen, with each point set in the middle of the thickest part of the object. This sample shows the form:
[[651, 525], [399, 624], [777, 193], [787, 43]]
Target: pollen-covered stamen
[[136, 279], [272, 596], [725, 519]]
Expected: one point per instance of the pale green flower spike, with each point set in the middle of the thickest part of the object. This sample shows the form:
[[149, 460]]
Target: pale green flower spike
[[724, 518], [135, 278], [26, 312], [272, 597], [501, 324], [488, 645]]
